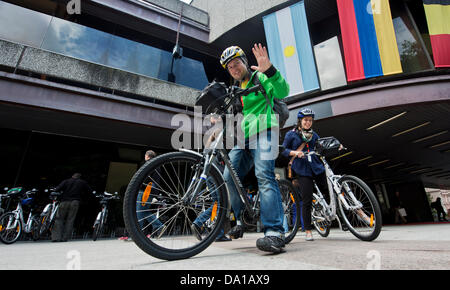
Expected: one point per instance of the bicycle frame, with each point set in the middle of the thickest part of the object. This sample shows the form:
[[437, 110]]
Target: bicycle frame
[[18, 217], [334, 188], [53, 208], [101, 216], [103, 213], [209, 155]]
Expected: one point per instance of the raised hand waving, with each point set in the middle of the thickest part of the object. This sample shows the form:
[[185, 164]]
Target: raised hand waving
[[262, 58]]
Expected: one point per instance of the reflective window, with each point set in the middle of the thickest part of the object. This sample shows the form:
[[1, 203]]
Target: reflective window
[[77, 41], [99, 47], [412, 54], [60, 36], [22, 25], [189, 71]]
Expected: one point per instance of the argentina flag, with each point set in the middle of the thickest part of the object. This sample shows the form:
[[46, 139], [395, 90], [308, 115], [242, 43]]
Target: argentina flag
[[290, 48]]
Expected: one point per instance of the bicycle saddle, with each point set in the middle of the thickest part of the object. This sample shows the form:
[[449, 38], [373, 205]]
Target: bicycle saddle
[[13, 192], [55, 194]]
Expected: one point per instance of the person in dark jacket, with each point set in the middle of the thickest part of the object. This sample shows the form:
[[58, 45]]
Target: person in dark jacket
[[72, 189], [308, 169]]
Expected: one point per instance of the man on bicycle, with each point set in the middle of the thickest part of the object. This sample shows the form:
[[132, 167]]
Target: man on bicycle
[[258, 124]]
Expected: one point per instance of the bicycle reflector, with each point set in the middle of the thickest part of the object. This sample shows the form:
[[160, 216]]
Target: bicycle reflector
[[146, 194], [214, 212]]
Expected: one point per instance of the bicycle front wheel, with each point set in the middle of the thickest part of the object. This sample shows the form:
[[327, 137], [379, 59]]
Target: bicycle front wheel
[[160, 217], [359, 208], [291, 207], [10, 228]]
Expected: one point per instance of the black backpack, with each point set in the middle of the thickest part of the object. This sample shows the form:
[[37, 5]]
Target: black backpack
[[279, 107], [212, 97]]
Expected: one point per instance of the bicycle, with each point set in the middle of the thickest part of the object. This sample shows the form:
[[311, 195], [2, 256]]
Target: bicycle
[[358, 206], [4, 197], [12, 223], [48, 215], [191, 183], [102, 216]]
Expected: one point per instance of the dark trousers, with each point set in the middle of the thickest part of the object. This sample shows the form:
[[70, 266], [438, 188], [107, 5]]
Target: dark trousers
[[440, 211], [65, 217], [306, 186]]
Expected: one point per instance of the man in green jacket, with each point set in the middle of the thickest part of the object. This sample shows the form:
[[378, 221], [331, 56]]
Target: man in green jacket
[[260, 129]]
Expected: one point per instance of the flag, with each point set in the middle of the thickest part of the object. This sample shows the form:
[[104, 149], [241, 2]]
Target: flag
[[438, 19], [370, 47], [290, 49], [330, 65]]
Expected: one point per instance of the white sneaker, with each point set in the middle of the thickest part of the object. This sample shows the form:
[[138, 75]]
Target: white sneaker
[[309, 237]]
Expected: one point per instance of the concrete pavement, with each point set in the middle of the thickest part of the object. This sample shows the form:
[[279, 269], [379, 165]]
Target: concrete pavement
[[397, 247]]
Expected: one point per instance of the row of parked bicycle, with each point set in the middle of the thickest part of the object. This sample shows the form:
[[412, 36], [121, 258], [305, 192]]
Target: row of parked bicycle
[[13, 225]]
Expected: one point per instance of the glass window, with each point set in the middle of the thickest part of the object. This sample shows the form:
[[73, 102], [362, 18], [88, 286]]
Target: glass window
[[412, 54], [99, 47], [418, 14], [77, 41], [134, 57], [22, 25], [36, 29], [188, 72]]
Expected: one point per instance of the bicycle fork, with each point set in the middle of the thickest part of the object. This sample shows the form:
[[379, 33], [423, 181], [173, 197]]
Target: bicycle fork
[[346, 190], [13, 222], [194, 188], [29, 224]]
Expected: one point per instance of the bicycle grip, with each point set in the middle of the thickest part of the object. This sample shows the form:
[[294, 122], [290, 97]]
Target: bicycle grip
[[254, 89]]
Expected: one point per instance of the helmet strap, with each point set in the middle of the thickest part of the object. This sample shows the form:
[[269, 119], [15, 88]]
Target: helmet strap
[[307, 135]]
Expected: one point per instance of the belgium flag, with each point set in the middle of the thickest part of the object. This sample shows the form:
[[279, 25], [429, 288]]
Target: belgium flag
[[438, 19]]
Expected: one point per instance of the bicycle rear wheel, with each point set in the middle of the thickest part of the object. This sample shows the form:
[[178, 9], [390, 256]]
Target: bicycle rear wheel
[[98, 228], [35, 228], [291, 206], [157, 217], [44, 223], [363, 218], [10, 228]]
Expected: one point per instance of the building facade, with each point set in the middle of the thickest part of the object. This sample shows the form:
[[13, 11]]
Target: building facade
[[89, 86]]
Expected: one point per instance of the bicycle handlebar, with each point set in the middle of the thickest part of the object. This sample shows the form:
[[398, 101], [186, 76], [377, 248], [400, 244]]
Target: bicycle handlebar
[[108, 195], [306, 154], [236, 92]]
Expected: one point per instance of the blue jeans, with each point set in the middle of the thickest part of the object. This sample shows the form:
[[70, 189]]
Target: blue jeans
[[143, 213], [258, 152], [204, 216]]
